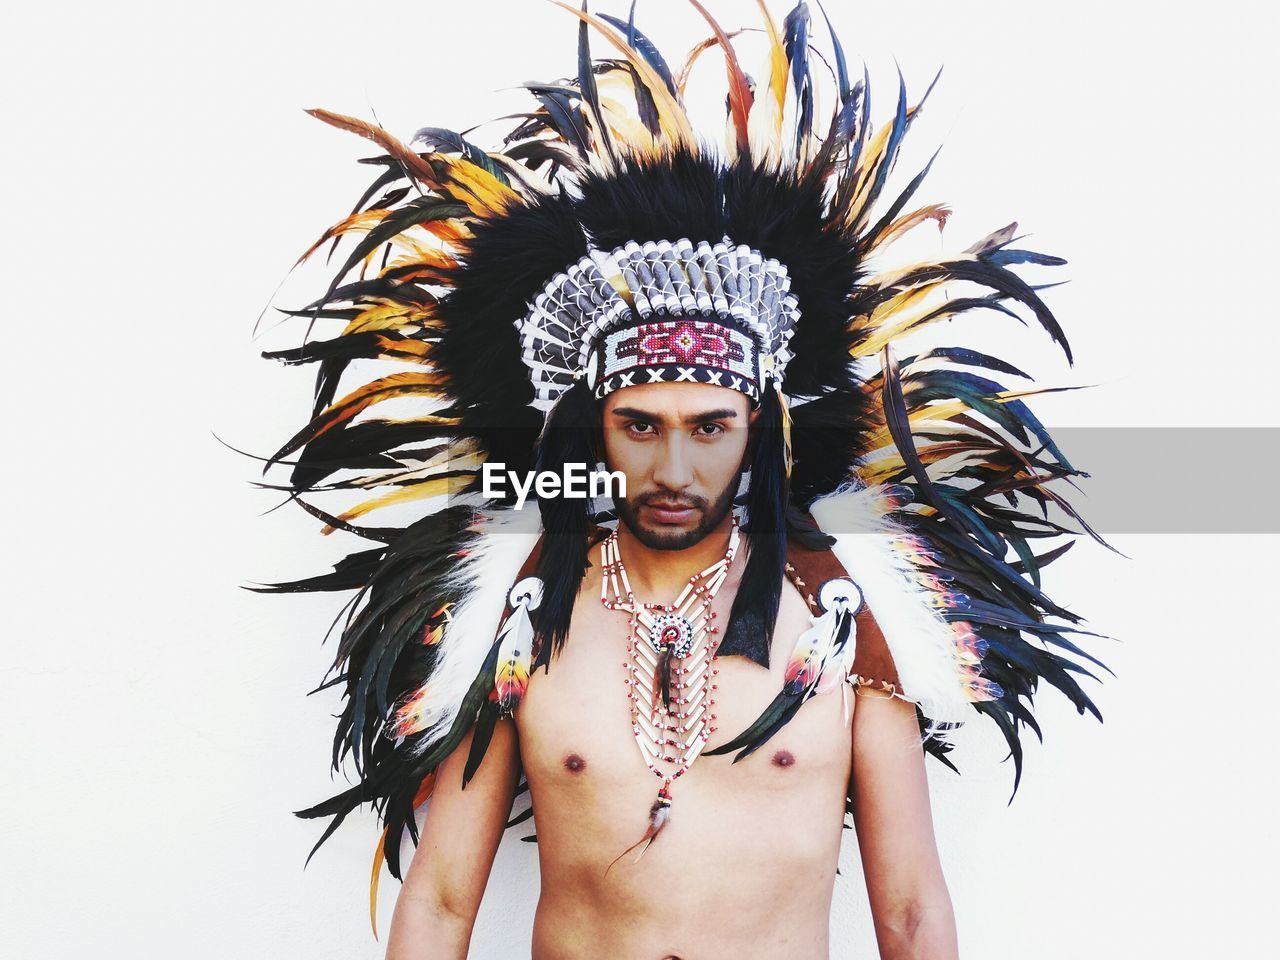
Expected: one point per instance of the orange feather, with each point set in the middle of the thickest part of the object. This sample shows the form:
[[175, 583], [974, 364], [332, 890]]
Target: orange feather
[[439, 172], [740, 97]]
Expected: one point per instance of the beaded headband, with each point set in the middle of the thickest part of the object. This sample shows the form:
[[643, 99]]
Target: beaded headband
[[661, 312]]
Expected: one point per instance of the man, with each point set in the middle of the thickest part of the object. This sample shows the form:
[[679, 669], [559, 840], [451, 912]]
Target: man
[[808, 578], [772, 823]]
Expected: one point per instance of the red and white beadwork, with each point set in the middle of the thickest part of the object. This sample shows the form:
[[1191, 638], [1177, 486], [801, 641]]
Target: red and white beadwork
[[732, 293], [670, 738], [689, 350]]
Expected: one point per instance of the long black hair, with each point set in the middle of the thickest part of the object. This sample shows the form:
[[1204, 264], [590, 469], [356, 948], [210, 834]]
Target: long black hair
[[569, 436], [755, 608]]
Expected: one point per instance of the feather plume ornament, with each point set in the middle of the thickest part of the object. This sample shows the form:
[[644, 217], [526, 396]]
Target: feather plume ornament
[[659, 817], [819, 663], [515, 645], [474, 274]]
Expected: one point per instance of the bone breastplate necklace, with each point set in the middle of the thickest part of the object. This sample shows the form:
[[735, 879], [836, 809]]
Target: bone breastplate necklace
[[670, 671]]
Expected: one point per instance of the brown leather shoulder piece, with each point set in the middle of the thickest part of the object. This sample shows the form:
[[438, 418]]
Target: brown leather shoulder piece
[[808, 570]]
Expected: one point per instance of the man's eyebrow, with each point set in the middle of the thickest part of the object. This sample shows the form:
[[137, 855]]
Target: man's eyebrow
[[707, 416], [710, 416], [633, 413]]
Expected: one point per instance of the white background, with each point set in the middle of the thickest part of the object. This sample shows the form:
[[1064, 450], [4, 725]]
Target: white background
[[159, 177]]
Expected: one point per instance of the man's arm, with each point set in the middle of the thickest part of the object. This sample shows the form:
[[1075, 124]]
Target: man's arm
[[437, 905], [910, 904]]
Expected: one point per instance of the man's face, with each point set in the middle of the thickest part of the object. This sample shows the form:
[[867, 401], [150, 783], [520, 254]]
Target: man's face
[[681, 447]]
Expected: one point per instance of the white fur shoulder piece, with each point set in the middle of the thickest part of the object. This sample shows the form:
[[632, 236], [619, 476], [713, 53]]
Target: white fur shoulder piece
[[871, 548], [504, 544]]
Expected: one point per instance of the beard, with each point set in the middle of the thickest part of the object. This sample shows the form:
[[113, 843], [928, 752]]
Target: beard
[[711, 515]]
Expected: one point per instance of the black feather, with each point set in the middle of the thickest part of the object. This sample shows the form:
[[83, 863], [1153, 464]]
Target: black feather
[[509, 259]]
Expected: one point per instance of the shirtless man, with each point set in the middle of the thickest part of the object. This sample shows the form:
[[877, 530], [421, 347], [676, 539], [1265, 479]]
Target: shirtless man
[[746, 867], [609, 284]]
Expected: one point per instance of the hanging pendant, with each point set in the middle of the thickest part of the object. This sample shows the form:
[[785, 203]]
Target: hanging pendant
[[664, 676], [659, 817], [671, 673], [671, 636]]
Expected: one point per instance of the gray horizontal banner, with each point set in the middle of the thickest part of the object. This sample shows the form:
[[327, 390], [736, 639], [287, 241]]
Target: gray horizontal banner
[[1177, 480], [1173, 479]]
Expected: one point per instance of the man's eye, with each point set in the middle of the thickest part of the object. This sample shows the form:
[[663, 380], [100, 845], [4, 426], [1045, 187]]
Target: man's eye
[[710, 430], [640, 428]]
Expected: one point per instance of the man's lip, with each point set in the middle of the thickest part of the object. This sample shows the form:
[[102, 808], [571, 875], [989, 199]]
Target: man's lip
[[670, 513]]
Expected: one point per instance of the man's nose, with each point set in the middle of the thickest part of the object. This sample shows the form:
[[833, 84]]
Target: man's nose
[[674, 471]]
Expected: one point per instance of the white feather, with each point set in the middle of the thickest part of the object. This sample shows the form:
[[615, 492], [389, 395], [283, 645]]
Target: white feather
[[486, 575], [921, 642]]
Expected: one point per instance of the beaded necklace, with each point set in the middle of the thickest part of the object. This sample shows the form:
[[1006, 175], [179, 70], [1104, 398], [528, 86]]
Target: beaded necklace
[[670, 671]]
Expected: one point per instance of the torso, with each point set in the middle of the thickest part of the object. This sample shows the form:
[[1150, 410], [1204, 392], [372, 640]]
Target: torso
[[746, 865]]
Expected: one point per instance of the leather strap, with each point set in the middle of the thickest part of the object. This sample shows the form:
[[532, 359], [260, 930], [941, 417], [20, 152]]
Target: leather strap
[[808, 570]]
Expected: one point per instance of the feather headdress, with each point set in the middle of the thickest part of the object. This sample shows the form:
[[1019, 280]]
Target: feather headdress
[[933, 477]]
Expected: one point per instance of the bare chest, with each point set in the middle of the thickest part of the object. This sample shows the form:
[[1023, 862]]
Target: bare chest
[[764, 832], [578, 747]]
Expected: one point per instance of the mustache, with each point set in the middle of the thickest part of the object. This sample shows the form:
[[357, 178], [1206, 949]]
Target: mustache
[[668, 499]]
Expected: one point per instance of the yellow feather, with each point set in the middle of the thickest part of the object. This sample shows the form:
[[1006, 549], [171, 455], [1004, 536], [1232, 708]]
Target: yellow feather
[[415, 253], [364, 222], [890, 320], [454, 457], [389, 316], [934, 411], [778, 69], [627, 128], [495, 195], [410, 350], [441, 486], [882, 469], [395, 385], [765, 124], [868, 166], [671, 116], [422, 255], [938, 212], [482, 193], [946, 410], [624, 123], [875, 342], [890, 278], [373, 882]]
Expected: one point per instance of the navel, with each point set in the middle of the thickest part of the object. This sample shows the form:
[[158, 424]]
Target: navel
[[783, 758], [574, 763]]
